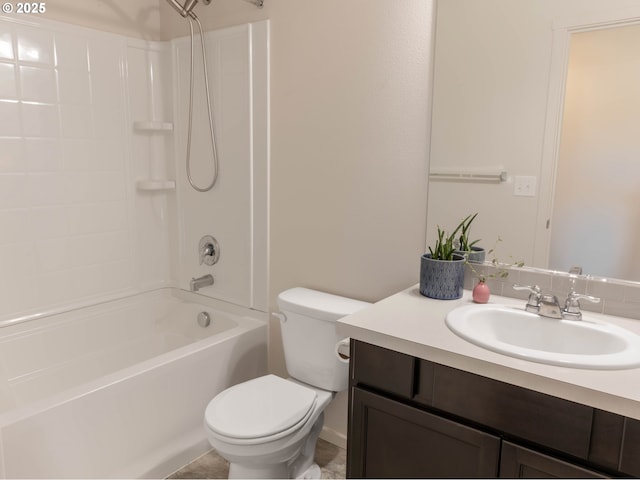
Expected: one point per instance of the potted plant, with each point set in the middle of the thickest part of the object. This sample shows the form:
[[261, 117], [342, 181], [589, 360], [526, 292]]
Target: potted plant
[[442, 269], [471, 252]]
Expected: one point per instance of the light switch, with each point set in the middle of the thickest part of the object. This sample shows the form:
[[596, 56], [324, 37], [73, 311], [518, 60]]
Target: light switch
[[524, 186]]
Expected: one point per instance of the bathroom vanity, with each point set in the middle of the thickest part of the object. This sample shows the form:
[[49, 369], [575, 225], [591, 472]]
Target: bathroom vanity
[[426, 403]]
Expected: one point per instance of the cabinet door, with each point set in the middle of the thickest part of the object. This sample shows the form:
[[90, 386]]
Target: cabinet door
[[630, 458], [389, 439], [520, 462]]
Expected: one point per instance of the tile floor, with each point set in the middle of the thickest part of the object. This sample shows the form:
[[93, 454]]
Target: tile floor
[[332, 461]]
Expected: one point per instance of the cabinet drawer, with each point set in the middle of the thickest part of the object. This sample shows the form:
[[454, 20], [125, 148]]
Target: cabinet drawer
[[553, 422], [389, 439], [382, 369], [520, 462]]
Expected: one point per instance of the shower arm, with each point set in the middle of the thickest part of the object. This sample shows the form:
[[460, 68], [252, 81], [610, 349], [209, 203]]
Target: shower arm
[[186, 10]]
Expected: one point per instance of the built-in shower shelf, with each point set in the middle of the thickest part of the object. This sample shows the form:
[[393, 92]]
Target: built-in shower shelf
[[155, 185], [151, 126]]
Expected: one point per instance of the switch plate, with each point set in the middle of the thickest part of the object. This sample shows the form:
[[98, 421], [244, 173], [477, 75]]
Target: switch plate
[[524, 186]]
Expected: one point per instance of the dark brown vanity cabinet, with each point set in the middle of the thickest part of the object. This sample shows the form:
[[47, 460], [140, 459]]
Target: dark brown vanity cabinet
[[410, 418], [400, 441]]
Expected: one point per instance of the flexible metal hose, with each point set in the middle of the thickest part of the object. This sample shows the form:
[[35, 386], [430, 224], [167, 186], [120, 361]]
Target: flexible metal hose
[[211, 129]]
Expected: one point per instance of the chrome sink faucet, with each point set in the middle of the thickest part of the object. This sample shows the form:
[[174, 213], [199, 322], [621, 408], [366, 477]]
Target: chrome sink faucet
[[547, 305]]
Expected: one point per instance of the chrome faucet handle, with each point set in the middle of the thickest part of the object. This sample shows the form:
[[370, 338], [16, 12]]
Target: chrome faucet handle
[[208, 250], [535, 293], [571, 308]]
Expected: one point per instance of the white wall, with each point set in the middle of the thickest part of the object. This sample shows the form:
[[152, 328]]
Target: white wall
[[133, 18]]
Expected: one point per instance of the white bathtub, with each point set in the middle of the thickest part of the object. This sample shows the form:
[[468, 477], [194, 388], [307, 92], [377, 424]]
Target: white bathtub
[[119, 389]]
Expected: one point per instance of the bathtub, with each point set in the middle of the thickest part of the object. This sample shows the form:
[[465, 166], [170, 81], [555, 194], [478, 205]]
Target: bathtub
[[119, 389]]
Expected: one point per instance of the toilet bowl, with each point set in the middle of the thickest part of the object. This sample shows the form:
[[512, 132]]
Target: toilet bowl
[[260, 426], [268, 427]]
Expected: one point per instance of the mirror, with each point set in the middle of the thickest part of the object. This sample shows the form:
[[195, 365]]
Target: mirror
[[597, 189], [499, 105]]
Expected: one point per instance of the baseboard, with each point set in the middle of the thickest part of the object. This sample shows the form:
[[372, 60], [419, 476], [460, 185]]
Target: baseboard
[[331, 436]]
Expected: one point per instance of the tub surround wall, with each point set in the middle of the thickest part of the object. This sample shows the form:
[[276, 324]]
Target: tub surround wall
[[90, 149], [235, 211], [150, 110], [69, 218]]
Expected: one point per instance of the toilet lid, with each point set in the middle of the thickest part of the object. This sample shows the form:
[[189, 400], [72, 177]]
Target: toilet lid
[[260, 407]]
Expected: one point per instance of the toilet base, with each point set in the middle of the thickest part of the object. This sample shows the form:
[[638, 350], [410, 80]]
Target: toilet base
[[237, 470], [272, 471], [313, 472], [302, 464], [241, 471]]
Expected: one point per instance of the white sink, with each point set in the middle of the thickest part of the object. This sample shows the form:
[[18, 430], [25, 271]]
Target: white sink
[[585, 343]]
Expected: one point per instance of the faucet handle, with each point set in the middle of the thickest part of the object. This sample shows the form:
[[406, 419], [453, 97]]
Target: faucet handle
[[530, 288], [535, 293], [572, 304], [208, 250]]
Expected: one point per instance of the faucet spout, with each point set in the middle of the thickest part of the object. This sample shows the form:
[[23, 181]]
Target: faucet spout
[[204, 281], [550, 306]]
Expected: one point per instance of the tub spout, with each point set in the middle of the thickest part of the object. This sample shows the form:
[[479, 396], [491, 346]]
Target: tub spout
[[204, 281]]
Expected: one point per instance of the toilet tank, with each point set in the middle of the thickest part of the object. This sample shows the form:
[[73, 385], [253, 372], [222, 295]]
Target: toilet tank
[[309, 336]]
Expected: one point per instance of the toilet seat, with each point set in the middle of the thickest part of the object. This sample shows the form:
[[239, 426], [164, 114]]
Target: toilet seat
[[263, 409]]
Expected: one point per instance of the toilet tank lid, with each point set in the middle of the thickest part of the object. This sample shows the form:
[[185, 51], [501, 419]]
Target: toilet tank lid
[[324, 306]]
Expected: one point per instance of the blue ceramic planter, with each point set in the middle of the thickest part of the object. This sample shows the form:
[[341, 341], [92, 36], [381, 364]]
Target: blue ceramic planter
[[476, 255], [441, 279]]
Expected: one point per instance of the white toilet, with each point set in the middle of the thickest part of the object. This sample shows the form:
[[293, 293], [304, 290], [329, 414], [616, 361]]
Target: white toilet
[[268, 427]]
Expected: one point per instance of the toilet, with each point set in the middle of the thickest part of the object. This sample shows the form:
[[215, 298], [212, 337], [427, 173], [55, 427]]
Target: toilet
[[268, 427]]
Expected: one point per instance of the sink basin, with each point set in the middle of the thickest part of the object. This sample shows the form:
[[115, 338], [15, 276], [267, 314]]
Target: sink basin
[[585, 343]]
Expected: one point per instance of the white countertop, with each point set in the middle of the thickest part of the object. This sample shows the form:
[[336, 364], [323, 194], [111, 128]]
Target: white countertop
[[410, 323]]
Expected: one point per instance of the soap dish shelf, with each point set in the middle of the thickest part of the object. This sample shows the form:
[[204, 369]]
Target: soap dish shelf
[[153, 127], [155, 185]]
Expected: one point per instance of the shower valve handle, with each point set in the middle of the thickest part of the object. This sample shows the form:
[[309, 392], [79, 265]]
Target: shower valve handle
[[208, 250]]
